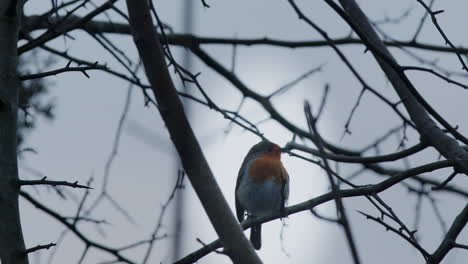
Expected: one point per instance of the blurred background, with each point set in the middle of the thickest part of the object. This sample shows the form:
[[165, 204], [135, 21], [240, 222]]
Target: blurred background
[[77, 143]]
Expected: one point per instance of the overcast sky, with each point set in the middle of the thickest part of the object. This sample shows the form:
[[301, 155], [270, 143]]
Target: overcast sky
[[77, 143]]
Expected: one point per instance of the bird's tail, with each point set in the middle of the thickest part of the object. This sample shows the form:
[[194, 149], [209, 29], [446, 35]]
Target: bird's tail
[[256, 236]]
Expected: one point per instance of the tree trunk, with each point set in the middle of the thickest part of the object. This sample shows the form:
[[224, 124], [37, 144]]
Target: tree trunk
[[11, 238]]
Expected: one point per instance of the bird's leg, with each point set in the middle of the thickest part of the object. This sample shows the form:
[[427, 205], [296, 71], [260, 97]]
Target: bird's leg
[[250, 218], [283, 212]]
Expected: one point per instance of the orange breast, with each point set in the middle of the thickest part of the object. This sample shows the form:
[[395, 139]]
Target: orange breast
[[266, 167]]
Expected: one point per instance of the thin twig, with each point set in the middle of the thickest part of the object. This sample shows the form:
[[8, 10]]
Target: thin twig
[[43, 181], [62, 70], [342, 217], [444, 183], [39, 247], [396, 231]]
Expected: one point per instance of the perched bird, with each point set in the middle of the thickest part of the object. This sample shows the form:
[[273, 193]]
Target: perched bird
[[262, 185]]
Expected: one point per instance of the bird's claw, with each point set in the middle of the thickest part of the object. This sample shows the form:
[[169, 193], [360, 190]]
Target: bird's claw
[[283, 213]]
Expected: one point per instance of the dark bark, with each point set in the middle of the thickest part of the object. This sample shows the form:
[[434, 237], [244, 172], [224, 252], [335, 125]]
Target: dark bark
[[170, 107], [12, 249]]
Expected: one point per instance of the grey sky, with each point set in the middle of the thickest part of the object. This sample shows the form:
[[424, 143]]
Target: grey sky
[[77, 143]]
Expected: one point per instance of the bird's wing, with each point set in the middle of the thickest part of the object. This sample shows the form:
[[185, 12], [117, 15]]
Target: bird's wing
[[284, 185], [239, 209]]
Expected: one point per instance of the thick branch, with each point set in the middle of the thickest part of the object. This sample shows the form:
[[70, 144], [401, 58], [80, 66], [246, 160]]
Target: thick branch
[[449, 241], [426, 127], [237, 246], [39, 23]]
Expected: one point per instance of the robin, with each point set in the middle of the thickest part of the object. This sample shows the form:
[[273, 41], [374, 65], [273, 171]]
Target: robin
[[262, 185]]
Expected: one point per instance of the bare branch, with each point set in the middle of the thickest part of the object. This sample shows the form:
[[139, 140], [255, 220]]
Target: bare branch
[[398, 232], [178, 185], [310, 204], [433, 15], [291, 84], [415, 68], [64, 28], [43, 181], [342, 216], [357, 159], [416, 106], [62, 70], [39, 247], [73, 229], [444, 183], [37, 22], [238, 247], [449, 241]]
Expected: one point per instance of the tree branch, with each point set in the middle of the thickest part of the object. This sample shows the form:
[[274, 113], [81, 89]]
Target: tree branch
[[310, 204], [39, 247], [426, 127], [449, 241], [43, 181], [62, 70], [398, 232], [65, 27], [357, 159], [341, 212], [170, 107], [89, 243], [32, 23]]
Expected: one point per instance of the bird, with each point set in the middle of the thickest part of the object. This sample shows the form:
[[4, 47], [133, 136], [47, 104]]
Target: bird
[[262, 186]]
